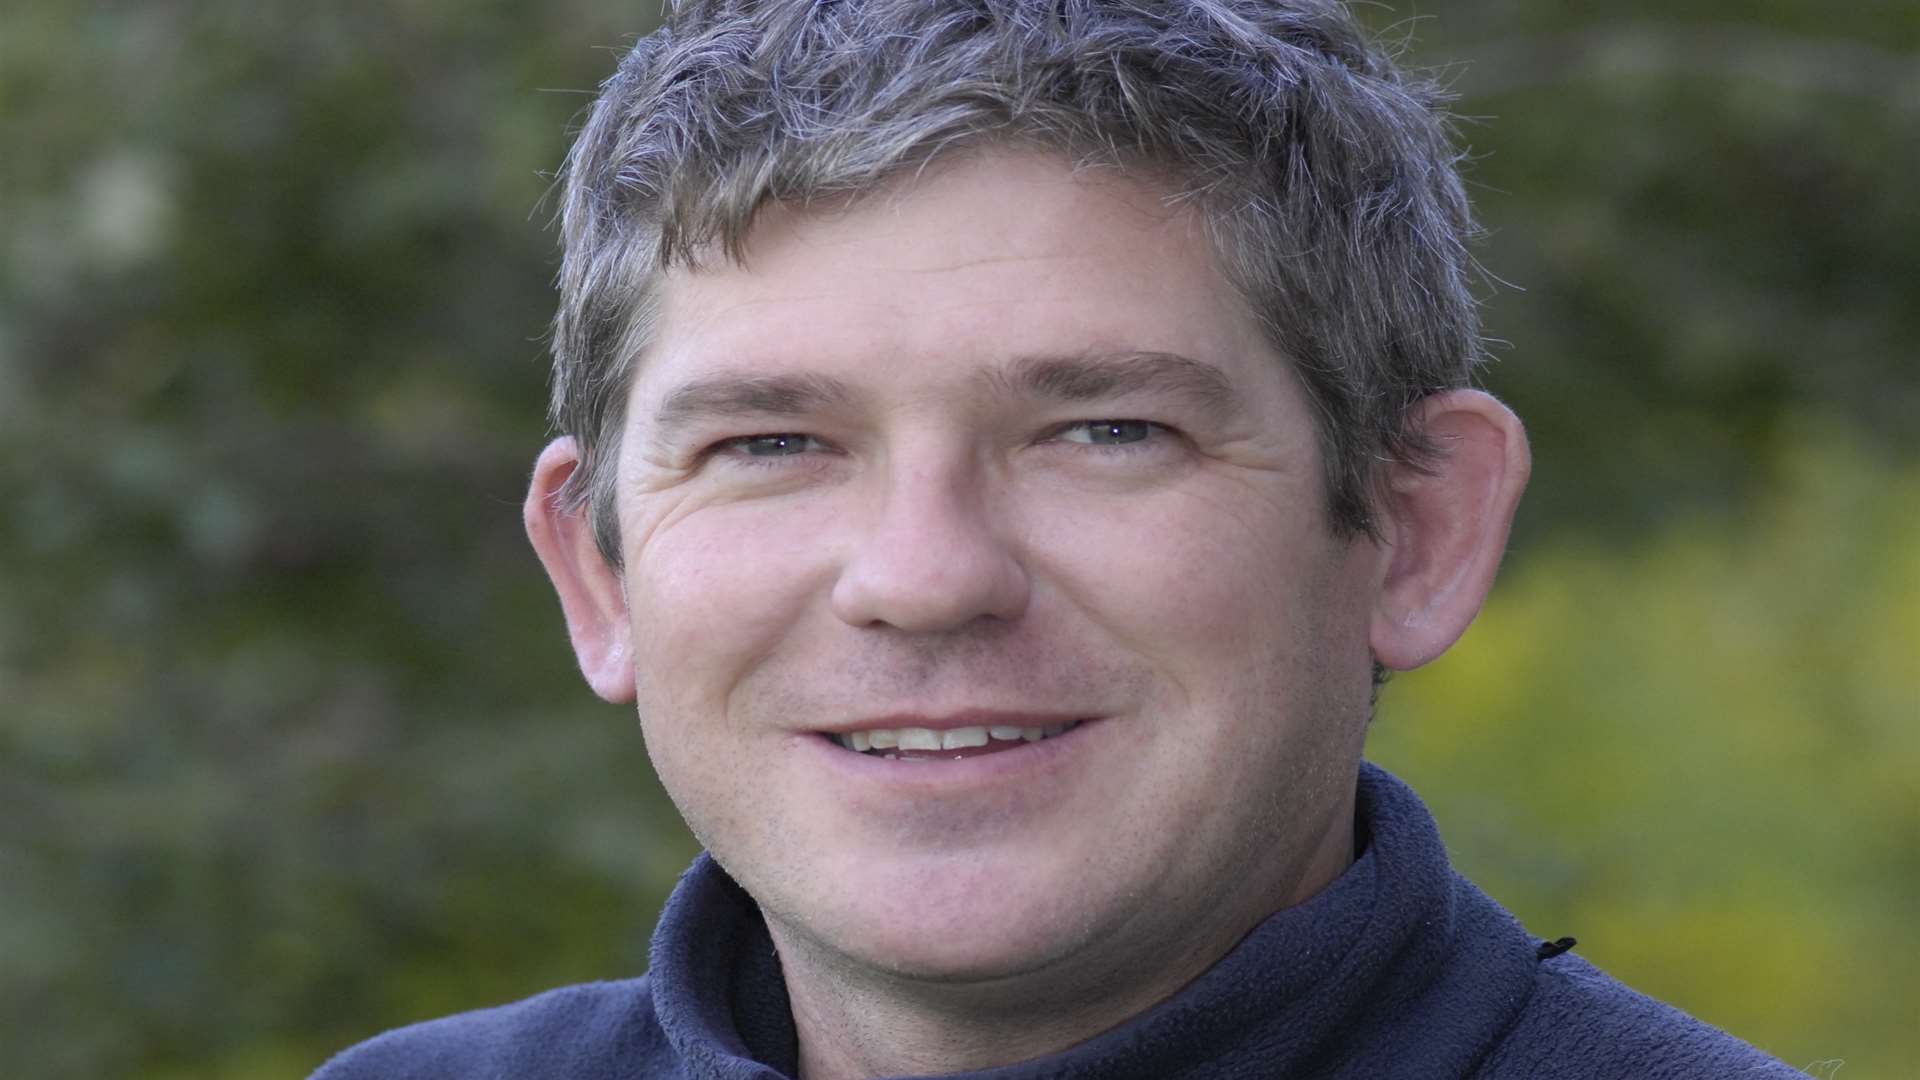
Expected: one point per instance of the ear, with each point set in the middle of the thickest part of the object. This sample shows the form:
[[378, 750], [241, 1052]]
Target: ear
[[592, 597], [1446, 526]]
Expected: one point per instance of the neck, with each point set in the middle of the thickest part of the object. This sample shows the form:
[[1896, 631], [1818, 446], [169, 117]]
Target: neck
[[854, 1020], [853, 1024]]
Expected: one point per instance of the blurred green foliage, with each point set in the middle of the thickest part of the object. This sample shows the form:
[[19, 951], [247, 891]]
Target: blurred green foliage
[[1699, 754], [291, 746]]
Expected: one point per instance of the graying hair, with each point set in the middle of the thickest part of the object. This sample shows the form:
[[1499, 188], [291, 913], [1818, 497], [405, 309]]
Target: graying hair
[[1324, 174]]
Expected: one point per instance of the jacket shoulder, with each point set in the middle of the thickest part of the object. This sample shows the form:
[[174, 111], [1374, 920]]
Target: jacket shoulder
[[1580, 1022], [594, 1031]]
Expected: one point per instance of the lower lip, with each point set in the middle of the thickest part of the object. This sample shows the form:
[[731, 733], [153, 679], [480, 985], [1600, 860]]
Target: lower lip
[[1024, 763]]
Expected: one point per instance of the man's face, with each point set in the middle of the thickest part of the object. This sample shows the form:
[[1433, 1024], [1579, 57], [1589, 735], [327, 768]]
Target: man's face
[[995, 449]]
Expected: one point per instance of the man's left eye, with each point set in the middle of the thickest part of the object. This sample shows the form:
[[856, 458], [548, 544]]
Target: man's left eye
[[1108, 432]]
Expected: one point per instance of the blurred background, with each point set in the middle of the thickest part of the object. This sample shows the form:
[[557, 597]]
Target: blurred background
[[292, 749]]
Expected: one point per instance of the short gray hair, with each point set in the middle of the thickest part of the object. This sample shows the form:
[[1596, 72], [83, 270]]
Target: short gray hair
[[1324, 173]]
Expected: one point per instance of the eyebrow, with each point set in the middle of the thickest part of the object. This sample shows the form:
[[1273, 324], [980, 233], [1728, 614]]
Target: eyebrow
[[1092, 377], [722, 396], [1086, 377]]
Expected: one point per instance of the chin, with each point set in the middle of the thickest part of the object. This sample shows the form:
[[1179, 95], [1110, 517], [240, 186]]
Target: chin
[[957, 924]]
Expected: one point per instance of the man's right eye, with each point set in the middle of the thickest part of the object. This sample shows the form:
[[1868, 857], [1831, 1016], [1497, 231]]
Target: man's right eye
[[783, 444]]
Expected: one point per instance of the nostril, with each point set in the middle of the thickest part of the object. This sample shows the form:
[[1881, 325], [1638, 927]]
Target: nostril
[[929, 587]]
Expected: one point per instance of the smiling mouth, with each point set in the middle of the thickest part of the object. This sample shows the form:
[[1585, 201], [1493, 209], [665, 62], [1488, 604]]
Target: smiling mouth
[[950, 744]]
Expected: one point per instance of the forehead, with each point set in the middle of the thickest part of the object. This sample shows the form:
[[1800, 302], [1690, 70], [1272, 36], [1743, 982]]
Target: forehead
[[955, 272]]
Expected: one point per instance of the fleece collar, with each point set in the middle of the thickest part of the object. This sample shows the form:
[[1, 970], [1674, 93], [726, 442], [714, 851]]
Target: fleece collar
[[1399, 968]]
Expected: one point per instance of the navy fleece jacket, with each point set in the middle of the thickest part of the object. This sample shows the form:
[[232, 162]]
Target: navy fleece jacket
[[1399, 969]]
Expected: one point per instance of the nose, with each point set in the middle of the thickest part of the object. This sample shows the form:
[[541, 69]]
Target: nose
[[930, 558]]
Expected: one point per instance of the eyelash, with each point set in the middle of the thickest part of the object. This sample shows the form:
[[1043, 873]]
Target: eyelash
[[1130, 446], [735, 450]]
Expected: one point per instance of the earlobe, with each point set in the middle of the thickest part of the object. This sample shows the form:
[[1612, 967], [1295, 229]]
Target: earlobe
[[592, 597], [1447, 525]]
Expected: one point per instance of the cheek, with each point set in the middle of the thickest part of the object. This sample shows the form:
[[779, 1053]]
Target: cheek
[[710, 594], [1198, 573]]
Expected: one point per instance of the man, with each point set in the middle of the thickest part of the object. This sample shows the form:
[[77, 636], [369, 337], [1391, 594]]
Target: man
[[1005, 442]]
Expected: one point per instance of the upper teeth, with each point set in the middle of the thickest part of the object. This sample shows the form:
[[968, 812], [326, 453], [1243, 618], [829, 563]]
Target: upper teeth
[[919, 738]]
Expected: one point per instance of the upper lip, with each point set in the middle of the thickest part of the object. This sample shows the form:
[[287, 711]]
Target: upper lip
[[949, 721]]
